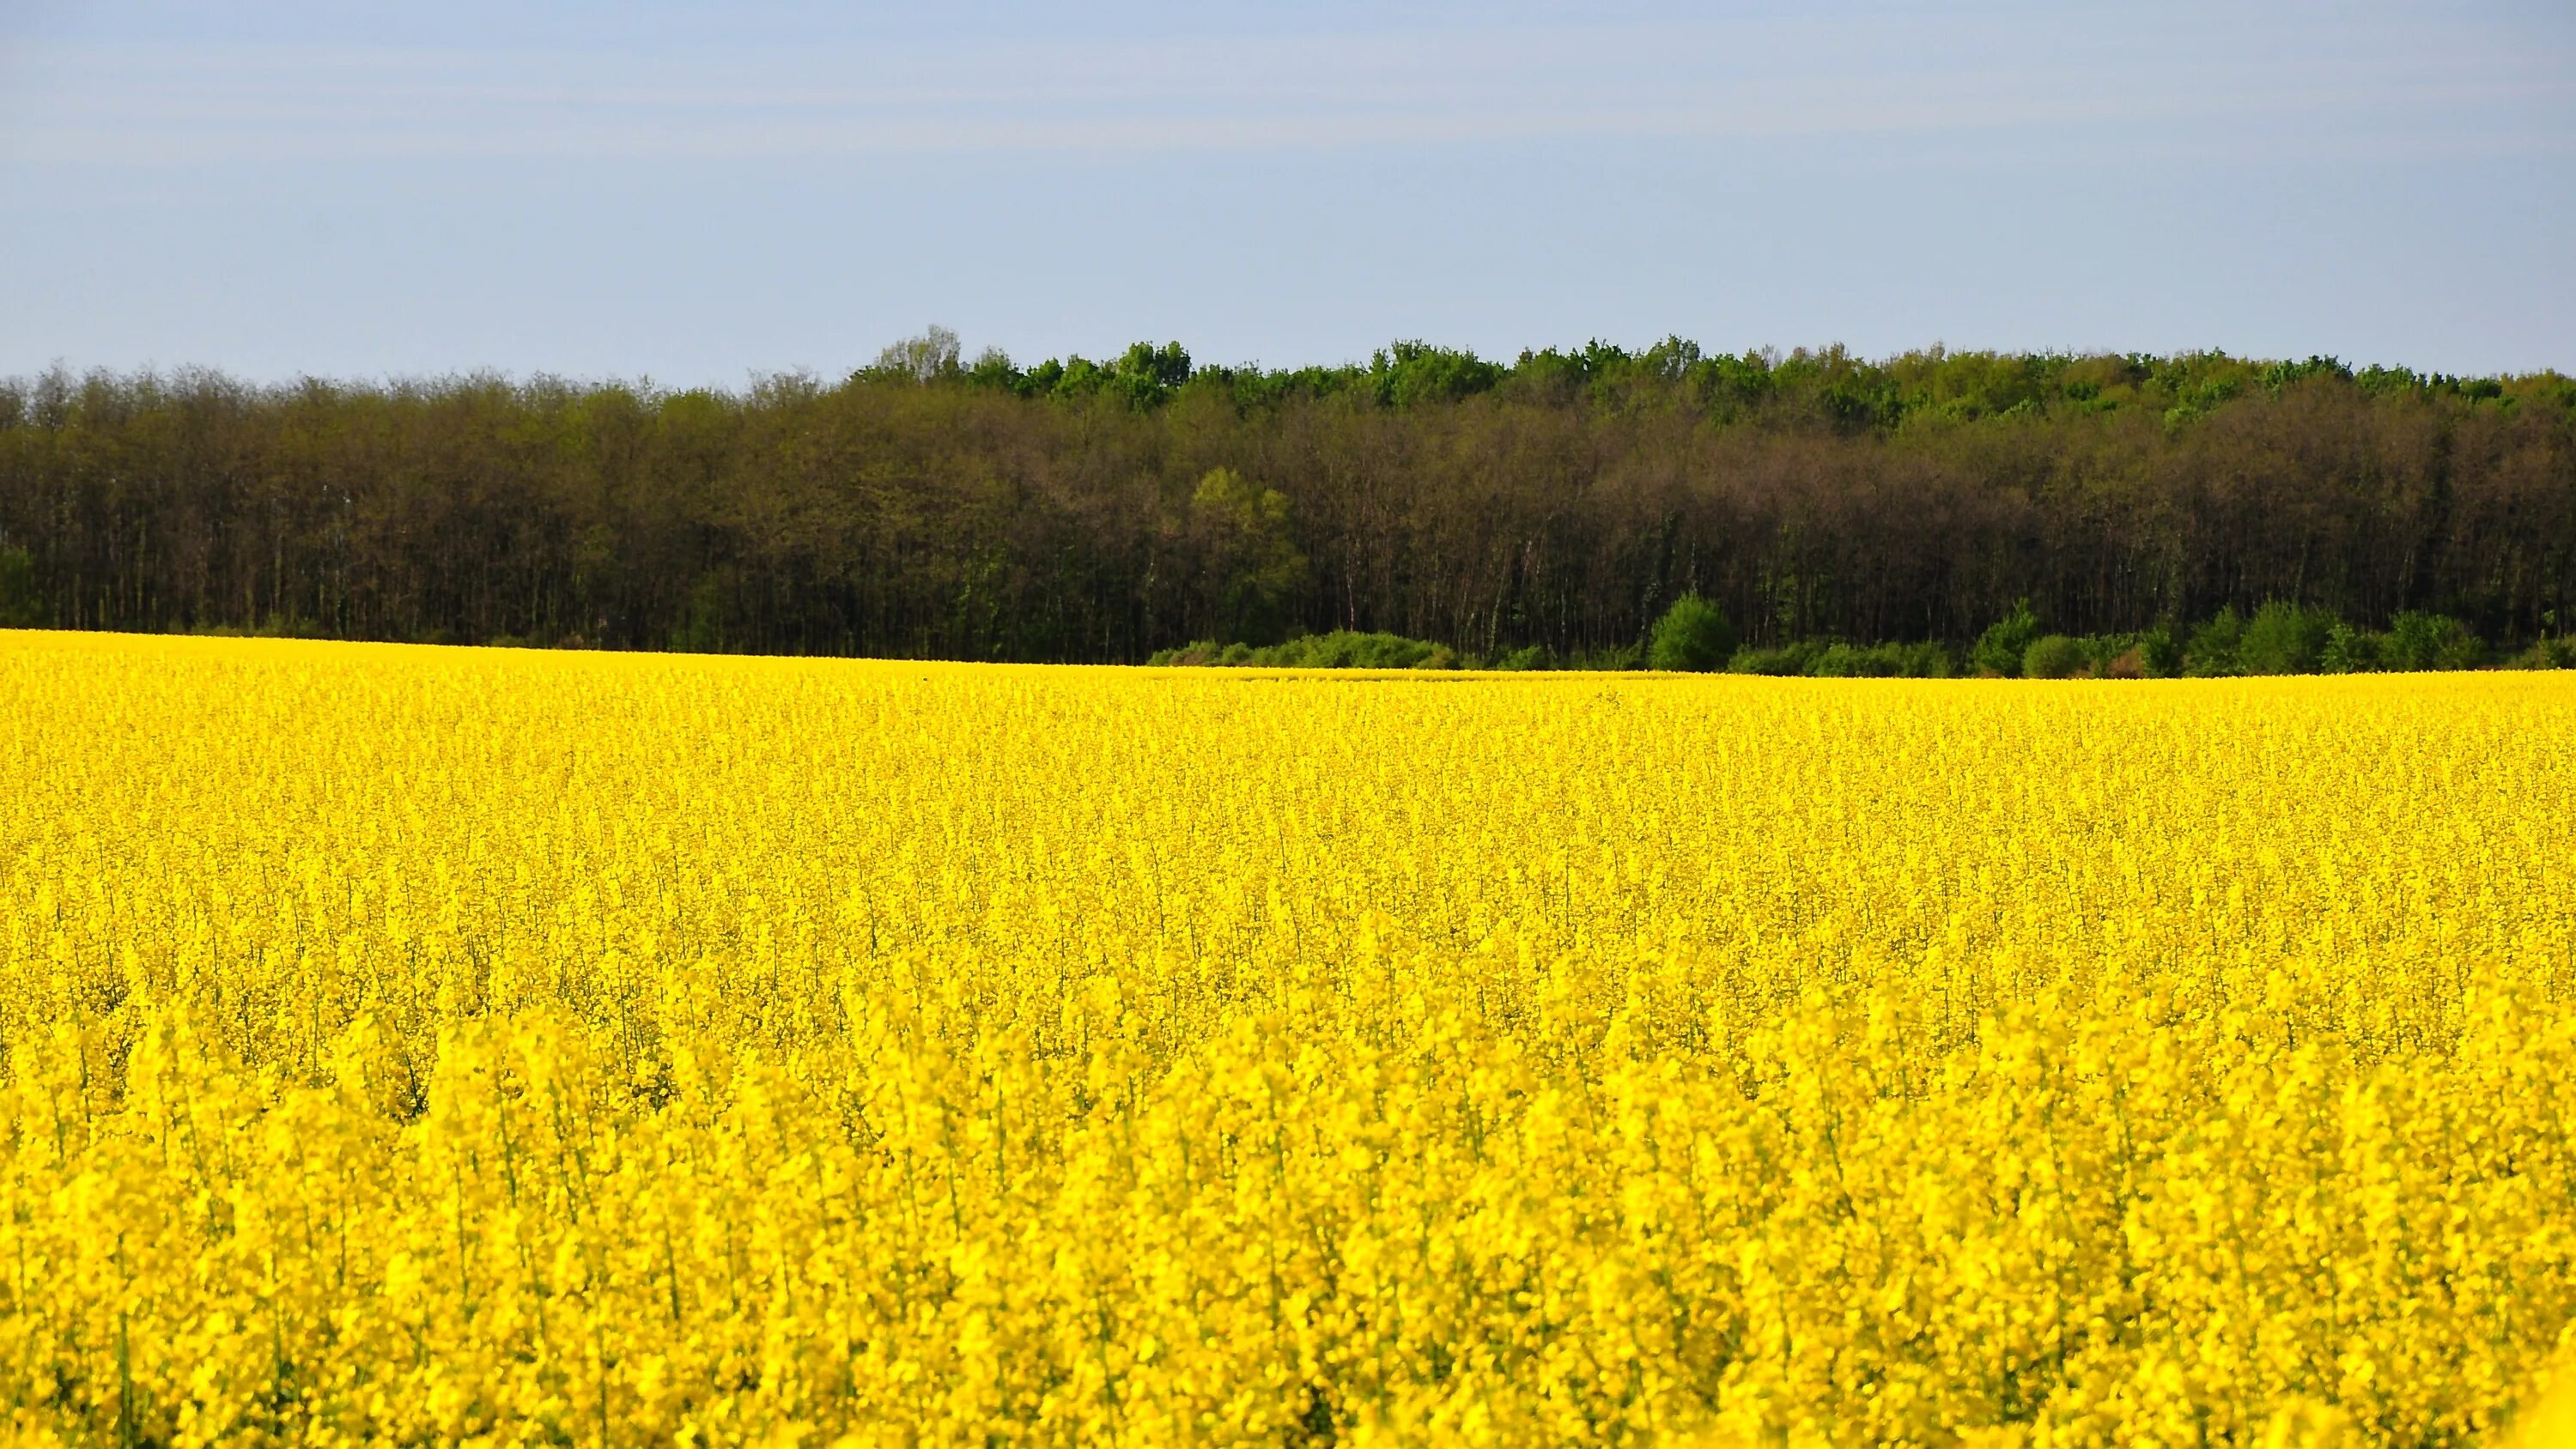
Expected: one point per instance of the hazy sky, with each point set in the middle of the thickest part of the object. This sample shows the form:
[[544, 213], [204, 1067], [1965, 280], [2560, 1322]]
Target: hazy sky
[[702, 193]]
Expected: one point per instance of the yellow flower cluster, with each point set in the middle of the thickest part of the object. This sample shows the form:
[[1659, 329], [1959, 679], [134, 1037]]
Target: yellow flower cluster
[[430, 1045]]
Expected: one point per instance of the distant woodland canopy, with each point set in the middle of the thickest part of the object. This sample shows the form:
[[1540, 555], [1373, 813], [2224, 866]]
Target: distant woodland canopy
[[1087, 510]]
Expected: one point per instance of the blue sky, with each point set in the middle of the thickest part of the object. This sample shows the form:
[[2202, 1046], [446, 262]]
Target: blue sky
[[700, 194]]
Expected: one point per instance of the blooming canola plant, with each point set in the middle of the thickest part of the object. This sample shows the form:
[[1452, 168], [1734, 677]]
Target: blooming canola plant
[[435, 1044]]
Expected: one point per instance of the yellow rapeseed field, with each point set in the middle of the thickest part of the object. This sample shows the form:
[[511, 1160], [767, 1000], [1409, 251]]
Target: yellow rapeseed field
[[421, 1045]]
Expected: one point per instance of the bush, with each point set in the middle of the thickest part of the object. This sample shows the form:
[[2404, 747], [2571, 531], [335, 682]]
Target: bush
[[1785, 659], [1350, 649], [2283, 638], [2430, 641], [2001, 648], [1927, 660], [2213, 645], [2557, 653], [2348, 651], [1694, 635], [1535, 656], [2054, 656], [1850, 661], [2159, 653], [1341, 649]]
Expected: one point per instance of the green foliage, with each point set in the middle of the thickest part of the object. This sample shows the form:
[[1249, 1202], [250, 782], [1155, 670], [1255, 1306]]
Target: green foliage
[[2054, 656], [935, 506], [993, 369], [2212, 651], [2160, 654], [1781, 660], [2559, 653], [22, 601], [1849, 661], [2001, 649], [2279, 375], [1146, 375], [1694, 636], [2348, 651], [2283, 638], [1412, 374], [1255, 569], [2417, 640], [1826, 386], [1341, 649], [2226, 644], [1927, 660]]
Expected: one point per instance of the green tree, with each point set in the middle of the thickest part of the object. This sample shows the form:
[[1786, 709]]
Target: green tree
[[2348, 651], [2054, 656], [2001, 649], [2212, 651], [1694, 635], [2160, 653], [1147, 375], [2283, 638], [2418, 640], [1255, 567], [1414, 373], [934, 506]]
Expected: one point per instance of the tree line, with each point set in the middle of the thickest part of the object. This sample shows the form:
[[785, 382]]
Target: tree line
[[1101, 510]]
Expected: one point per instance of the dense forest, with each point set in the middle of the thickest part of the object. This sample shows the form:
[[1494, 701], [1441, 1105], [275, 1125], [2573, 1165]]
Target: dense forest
[[1080, 510]]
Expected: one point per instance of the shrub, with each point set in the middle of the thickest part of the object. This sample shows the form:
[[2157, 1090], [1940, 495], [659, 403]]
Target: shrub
[[2430, 641], [1341, 649], [2213, 645], [1694, 635], [1350, 649], [2054, 656], [1786, 659], [2159, 653], [2348, 651], [1534, 656], [2000, 649], [1926, 660], [2283, 638], [1850, 661], [2557, 653]]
